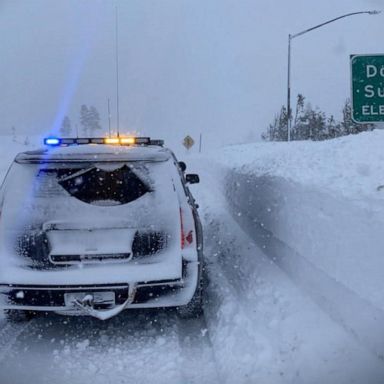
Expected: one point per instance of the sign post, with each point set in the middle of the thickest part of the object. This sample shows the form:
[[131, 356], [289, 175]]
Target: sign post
[[367, 83]]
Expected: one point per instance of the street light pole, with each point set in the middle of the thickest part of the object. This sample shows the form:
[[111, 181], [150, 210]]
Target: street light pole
[[289, 90], [290, 38]]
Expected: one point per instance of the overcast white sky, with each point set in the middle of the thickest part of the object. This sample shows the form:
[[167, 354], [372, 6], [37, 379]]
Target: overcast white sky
[[216, 67]]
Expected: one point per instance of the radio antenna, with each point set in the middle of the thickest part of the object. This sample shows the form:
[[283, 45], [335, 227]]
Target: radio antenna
[[109, 118], [117, 73]]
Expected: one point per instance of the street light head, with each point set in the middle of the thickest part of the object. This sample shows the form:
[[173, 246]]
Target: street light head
[[374, 12]]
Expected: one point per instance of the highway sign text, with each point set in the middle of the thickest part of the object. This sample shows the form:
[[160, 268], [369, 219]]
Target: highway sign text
[[367, 88]]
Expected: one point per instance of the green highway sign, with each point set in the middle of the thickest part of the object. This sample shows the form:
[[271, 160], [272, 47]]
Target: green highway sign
[[367, 73]]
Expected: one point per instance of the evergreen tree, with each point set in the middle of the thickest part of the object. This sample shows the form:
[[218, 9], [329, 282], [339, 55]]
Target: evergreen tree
[[94, 120], [84, 119], [299, 121], [301, 129], [65, 129], [90, 120], [313, 124], [299, 107], [333, 128], [317, 126], [348, 125], [282, 131]]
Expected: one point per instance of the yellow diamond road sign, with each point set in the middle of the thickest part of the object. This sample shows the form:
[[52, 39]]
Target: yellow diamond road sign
[[188, 142]]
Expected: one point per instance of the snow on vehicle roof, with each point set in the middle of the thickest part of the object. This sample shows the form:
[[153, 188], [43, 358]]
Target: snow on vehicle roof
[[92, 152]]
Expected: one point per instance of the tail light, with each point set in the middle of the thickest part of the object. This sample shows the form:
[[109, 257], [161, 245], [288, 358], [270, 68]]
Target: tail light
[[186, 228], [189, 237]]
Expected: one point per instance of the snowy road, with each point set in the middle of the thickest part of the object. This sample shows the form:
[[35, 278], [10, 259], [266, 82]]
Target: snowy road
[[260, 326], [133, 348]]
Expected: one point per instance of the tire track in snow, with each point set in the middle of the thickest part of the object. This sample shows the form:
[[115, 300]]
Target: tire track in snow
[[242, 337], [198, 359], [243, 352]]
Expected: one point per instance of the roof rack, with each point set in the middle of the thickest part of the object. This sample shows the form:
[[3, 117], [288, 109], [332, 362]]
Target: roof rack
[[129, 140]]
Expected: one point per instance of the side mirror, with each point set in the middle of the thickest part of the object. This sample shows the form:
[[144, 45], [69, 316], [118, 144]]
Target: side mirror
[[182, 166], [192, 178]]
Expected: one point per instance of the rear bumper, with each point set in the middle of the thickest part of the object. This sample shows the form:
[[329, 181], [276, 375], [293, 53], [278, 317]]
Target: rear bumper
[[150, 294]]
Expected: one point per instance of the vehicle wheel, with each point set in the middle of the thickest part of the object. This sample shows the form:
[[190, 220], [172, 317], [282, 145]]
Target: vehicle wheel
[[18, 316], [194, 309]]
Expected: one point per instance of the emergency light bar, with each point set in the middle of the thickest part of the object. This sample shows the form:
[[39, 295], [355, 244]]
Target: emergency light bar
[[56, 141]]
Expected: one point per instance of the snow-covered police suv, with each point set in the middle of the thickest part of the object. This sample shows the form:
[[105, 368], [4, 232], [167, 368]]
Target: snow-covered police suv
[[97, 225]]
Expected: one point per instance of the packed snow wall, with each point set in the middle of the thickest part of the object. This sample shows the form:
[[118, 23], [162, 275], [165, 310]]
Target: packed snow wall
[[329, 246]]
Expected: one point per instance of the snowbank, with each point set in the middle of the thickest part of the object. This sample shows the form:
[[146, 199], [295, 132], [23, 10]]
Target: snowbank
[[350, 167], [316, 209]]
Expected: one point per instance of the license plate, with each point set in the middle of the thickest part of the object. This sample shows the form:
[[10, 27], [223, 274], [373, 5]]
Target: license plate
[[97, 298]]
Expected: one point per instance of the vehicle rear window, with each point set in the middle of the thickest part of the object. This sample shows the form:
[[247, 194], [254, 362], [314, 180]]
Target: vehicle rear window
[[95, 185]]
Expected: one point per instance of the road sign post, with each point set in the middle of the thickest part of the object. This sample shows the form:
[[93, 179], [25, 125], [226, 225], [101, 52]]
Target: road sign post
[[367, 83]]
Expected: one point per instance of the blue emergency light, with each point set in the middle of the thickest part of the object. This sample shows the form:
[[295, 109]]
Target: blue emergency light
[[52, 141]]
